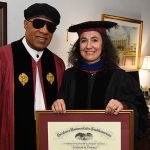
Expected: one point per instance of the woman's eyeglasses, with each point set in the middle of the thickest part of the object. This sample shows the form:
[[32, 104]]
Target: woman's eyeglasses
[[39, 23]]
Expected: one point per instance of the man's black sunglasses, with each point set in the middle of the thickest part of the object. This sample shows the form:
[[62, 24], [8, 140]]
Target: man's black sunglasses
[[39, 23]]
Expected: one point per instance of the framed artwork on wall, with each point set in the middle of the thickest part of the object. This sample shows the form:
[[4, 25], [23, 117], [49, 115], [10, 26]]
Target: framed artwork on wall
[[127, 39], [3, 23]]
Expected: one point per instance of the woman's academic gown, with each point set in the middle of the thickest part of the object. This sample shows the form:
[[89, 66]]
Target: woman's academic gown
[[82, 90]]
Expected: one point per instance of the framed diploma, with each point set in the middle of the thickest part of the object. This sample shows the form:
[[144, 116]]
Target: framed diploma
[[84, 130]]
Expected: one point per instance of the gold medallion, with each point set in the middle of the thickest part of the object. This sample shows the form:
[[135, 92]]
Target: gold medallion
[[50, 78], [23, 78]]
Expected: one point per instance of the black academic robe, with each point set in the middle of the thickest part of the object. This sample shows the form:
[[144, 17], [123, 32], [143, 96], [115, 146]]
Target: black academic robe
[[82, 90]]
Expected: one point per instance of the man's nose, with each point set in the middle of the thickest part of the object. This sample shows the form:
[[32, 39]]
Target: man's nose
[[44, 29]]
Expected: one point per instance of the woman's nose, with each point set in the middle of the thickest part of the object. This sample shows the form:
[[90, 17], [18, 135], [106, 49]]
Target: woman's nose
[[88, 44]]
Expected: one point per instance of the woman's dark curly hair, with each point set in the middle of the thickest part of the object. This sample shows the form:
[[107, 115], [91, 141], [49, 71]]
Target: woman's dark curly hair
[[109, 54]]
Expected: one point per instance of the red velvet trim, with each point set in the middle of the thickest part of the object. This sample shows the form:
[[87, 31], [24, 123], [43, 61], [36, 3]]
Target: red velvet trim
[[92, 72], [60, 67]]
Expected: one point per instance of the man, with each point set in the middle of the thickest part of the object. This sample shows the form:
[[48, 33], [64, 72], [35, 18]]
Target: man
[[30, 76]]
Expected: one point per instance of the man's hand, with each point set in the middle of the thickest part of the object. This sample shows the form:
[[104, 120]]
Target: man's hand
[[59, 106]]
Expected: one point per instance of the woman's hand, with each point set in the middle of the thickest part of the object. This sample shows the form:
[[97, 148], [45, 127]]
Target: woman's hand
[[114, 107], [59, 106]]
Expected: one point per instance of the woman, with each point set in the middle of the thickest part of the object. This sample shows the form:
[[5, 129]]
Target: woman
[[95, 81]]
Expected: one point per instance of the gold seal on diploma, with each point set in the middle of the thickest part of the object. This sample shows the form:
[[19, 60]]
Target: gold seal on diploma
[[50, 78], [23, 78]]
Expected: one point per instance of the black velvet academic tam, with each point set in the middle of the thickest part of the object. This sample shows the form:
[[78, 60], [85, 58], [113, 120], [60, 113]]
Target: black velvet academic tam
[[97, 25]]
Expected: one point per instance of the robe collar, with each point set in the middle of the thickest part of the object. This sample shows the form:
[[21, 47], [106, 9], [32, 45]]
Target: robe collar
[[36, 55], [91, 68]]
